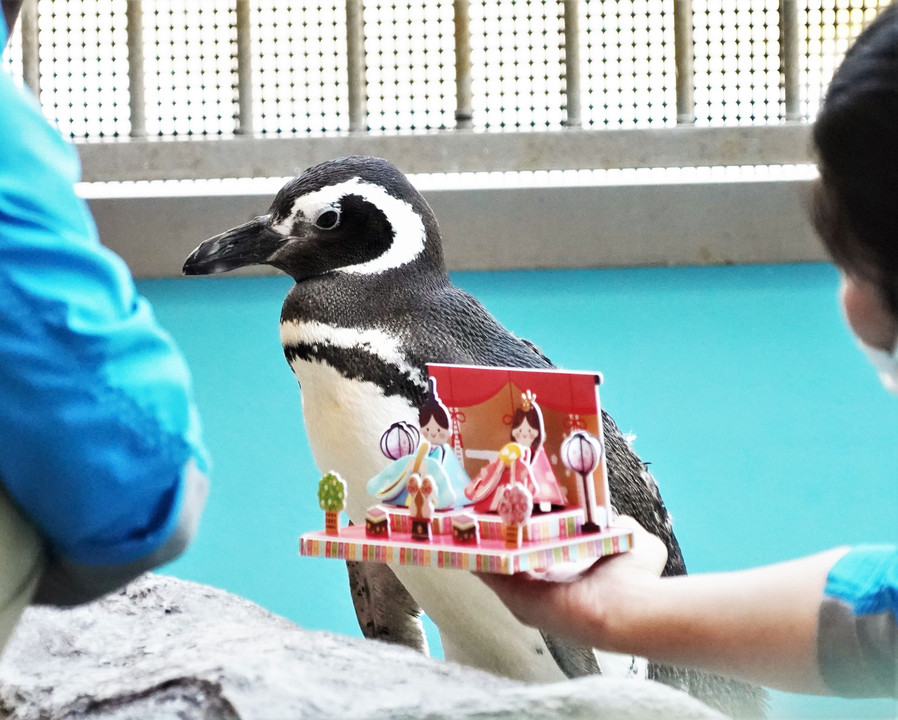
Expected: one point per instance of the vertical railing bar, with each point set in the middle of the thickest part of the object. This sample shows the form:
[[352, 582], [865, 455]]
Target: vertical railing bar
[[789, 58], [31, 58], [245, 116], [464, 98], [355, 62], [684, 55], [572, 61], [136, 89]]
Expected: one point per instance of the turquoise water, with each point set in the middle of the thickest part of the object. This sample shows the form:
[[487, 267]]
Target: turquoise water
[[767, 432]]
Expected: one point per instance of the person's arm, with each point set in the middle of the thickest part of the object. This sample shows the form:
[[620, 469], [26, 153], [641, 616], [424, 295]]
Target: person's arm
[[101, 446], [759, 625]]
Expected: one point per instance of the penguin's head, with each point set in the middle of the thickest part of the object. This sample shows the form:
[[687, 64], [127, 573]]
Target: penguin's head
[[351, 215]]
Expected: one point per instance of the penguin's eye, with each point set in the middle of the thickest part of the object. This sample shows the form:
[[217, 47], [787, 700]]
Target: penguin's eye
[[328, 219]]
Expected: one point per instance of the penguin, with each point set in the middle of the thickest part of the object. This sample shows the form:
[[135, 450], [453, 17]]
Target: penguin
[[371, 304]]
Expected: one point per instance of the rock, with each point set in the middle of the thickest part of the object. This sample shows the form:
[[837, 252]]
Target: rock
[[166, 648]]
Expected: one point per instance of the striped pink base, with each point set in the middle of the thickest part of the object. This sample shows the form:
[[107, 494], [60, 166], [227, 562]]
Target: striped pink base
[[489, 556]]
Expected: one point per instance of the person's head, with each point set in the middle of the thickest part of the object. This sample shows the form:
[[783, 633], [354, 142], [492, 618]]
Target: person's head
[[527, 424], [434, 418], [854, 209]]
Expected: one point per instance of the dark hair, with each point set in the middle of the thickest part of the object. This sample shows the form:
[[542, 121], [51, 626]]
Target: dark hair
[[856, 137], [534, 418], [433, 408]]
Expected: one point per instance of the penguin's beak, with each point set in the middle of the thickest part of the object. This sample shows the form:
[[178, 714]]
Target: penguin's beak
[[253, 243]]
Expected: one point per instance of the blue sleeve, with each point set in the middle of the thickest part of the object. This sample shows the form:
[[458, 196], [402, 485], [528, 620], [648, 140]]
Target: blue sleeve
[[857, 637], [100, 437]]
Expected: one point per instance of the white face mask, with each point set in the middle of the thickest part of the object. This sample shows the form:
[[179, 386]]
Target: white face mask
[[886, 364]]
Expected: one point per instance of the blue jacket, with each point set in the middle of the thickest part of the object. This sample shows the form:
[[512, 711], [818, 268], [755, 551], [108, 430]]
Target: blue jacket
[[101, 445], [857, 637]]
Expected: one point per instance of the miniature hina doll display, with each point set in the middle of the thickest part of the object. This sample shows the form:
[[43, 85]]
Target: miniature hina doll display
[[527, 430], [541, 499]]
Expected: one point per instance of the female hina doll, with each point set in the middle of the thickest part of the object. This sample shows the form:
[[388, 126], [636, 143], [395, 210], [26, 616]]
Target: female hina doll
[[528, 465], [527, 430], [512, 466]]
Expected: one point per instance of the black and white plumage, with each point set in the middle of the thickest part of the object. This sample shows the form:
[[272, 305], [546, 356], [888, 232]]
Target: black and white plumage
[[371, 305]]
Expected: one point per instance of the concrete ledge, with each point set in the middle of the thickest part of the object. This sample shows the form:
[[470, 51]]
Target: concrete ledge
[[496, 229], [448, 151]]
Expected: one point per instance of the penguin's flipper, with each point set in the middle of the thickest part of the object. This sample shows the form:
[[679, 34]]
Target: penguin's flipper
[[383, 606], [573, 660]]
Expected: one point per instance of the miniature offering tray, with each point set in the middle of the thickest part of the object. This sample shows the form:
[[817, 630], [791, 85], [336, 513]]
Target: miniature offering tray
[[504, 472]]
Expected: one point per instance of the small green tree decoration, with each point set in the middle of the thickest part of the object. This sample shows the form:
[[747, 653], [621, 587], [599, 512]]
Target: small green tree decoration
[[332, 499]]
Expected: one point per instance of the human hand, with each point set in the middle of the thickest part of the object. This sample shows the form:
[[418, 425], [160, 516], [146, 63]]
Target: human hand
[[586, 603]]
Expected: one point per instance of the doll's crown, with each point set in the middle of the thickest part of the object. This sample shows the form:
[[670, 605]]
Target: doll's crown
[[528, 399]]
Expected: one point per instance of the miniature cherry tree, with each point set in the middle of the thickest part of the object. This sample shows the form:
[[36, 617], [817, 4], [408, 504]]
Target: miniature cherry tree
[[582, 452], [332, 499], [515, 508]]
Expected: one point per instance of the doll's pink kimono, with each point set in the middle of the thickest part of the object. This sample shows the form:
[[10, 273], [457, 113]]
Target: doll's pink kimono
[[485, 490]]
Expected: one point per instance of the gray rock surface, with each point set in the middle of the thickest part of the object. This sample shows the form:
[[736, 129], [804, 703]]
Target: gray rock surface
[[166, 648]]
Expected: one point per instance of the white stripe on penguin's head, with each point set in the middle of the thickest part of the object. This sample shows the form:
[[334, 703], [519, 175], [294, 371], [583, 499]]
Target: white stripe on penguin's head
[[408, 226]]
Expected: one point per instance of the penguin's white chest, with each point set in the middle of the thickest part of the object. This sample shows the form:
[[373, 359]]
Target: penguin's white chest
[[344, 417], [344, 420]]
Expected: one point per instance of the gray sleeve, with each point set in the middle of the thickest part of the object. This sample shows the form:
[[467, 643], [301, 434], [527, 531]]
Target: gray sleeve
[[858, 654], [68, 583]]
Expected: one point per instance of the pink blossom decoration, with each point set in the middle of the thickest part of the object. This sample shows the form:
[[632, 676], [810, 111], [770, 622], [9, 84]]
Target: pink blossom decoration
[[516, 504]]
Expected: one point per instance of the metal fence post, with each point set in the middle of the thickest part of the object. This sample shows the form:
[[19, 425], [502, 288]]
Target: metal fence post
[[464, 110], [572, 61], [684, 52], [355, 66], [789, 58], [245, 123], [31, 59], [136, 89]]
